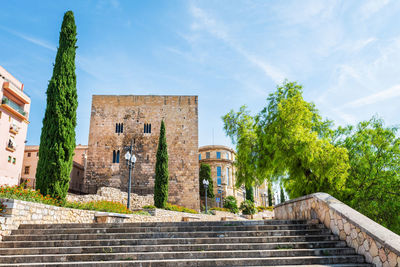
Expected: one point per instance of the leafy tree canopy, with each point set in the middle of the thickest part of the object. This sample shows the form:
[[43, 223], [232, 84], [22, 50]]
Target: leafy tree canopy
[[240, 127], [373, 185], [293, 140]]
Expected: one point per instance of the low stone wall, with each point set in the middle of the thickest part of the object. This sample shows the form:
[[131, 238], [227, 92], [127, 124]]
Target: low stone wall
[[22, 212], [379, 245], [114, 194]]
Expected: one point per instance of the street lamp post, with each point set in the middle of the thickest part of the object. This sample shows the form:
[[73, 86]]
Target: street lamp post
[[130, 162], [205, 183]]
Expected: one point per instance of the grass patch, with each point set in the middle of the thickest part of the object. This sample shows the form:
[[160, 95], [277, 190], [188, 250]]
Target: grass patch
[[179, 208]]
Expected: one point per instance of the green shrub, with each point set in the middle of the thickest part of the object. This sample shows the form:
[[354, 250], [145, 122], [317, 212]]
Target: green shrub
[[172, 207], [103, 205], [141, 212], [149, 207], [262, 208], [230, 203], [247, 207], [220, 209]]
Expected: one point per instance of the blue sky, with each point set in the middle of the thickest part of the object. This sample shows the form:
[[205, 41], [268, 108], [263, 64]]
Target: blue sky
[[346, 54]]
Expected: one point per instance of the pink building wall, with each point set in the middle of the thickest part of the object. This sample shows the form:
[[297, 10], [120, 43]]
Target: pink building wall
[[14, 112]]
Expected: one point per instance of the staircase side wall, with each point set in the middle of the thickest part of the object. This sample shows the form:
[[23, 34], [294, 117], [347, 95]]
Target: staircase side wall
[[379, 245]]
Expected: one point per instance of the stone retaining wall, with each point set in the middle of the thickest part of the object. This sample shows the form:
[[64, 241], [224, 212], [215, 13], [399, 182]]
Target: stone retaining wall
[[379, 245], [23, 212], [113, 194]]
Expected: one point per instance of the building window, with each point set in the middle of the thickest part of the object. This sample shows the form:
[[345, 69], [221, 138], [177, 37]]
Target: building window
[[116, 156], [119, 127], [219, 182], [37, 154], [199, 156], [218, 155], [227, 155], [14, 160], [147, 128], [207, 155], [227, 175], [26, 170], [9, 159], [29, 154]]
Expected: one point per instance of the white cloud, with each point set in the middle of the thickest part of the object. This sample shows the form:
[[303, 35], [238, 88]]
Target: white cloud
[[207, 22], [371, 7], [390, 93], [31, 39]]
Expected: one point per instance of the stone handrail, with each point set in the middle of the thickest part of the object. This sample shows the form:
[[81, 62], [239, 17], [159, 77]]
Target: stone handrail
[[379, 245]]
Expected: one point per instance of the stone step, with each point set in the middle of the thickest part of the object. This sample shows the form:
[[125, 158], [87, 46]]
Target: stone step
[[160, 224], [348, 260], [166, 235], [170, 247], [164, 241], [167, 229], [180, 255]]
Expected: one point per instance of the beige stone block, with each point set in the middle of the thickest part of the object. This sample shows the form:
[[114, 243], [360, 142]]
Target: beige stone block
[[368, 257], [347, 229], [353, 234], [392, 259], [354, 244], [366, 244], [361, 250], [382, 255], [373, 250], [340, 224], [385, 264], [377, 261], [360, 239]]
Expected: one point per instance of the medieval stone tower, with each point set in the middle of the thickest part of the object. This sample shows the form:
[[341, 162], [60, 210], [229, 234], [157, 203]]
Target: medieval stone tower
[[116, 121]]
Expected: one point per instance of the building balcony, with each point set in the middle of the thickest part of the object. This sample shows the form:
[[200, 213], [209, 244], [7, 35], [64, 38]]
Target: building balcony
[[16, 92], [14, 108]]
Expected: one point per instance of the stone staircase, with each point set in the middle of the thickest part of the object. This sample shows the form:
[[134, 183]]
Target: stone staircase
[[227, 243]]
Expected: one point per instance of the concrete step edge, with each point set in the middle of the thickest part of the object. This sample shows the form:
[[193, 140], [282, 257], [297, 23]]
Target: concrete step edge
[[283, 244], [191, 252], [176, 261]]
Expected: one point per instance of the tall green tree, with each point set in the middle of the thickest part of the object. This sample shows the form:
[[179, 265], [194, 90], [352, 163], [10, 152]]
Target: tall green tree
[[205, 174], [293, 142], [373, 185], [162, 174], [240, 127], [57, 140], [282, 195], [250, 193], [269, 195]]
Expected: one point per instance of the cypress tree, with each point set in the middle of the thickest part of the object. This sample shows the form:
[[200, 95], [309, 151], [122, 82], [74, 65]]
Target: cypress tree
[[249, 193], [162, 175], [282, 195], [205, 174], [57, 140], [269, 195]]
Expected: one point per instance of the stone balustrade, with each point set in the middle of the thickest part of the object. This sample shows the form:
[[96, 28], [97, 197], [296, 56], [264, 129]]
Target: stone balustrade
[[379, 245]]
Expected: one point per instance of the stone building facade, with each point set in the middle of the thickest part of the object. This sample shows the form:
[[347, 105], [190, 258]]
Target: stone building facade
[[221, 160], [14, 111], [31, 158], [118, 121]]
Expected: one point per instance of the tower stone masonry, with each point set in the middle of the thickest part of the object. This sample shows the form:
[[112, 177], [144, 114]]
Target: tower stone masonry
[[116, 121]]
